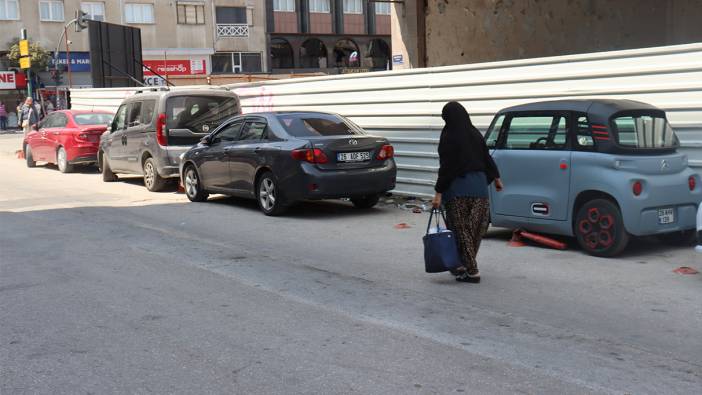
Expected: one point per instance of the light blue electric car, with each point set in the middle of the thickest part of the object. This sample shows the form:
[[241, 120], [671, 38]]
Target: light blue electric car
[[599, 170]]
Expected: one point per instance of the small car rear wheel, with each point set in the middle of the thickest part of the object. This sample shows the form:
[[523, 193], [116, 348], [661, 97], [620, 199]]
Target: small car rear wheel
[[152, 180], [192, 185], [365, 202], [28, 156], [62, 161], [107, 174], [683, 238], [599, 228], [268, 195]]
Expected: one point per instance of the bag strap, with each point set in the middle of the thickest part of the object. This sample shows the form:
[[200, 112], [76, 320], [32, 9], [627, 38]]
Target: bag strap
[[439, 214]]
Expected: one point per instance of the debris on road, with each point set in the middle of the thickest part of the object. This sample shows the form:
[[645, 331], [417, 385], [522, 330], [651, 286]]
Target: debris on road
[[685, 270], [402, 225]]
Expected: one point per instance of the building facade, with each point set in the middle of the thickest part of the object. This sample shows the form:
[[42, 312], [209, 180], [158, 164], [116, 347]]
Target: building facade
[[179, 37], [331, 36], [438, 33]]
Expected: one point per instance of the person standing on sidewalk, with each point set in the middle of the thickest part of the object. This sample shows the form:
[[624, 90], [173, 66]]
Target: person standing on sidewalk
[[28, 116], [465, 171], [3, 116]]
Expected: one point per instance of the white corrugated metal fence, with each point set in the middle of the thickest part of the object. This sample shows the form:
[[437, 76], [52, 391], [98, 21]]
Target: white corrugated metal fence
[[406, 105]]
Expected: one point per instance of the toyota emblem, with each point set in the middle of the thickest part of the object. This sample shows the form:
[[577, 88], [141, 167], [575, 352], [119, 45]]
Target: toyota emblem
[[205, 128], [353, 142]]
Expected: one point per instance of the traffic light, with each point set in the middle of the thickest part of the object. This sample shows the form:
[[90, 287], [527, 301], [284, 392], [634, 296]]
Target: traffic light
[[81, 20]]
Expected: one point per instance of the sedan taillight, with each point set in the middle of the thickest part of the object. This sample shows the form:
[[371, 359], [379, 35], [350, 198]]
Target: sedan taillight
[[310, 155], [386, 152]]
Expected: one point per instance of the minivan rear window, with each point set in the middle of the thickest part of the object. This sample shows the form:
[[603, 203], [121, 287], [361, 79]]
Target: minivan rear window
[[643, 131], [197, 113], [312, 125]]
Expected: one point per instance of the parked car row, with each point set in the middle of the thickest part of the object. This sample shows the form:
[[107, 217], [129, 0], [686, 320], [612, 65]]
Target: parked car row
[[597, 170], [200, 136]]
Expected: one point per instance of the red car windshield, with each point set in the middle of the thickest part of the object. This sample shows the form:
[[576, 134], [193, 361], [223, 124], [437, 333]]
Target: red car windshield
[[645, 131], [93, 119]]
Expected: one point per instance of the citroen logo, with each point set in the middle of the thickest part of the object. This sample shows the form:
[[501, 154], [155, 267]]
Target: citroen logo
[[353, 142], [664, 164]]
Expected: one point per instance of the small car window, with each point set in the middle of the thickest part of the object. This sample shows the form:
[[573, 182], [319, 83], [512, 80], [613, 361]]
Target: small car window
[[120, 118], [317, 124], [60, 121], [134, 114], [48, 121], [228, 133], [253, 131], [147, 112], [493, 134], [537, 132], [583, 134], [645, 131]]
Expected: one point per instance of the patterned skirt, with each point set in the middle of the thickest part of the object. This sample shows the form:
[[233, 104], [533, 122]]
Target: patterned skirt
[[468, 218]]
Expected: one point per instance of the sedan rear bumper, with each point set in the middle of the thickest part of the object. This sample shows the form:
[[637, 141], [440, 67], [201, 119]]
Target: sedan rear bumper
[[82, 153], [314, 183]]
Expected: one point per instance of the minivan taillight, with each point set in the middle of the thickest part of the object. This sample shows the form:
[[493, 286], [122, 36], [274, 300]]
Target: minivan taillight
[[161, 129], [310, 155], [386, 152], [692, 183]]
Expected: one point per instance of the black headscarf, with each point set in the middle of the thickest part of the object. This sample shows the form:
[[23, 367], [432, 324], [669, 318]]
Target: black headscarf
[[462, 148]]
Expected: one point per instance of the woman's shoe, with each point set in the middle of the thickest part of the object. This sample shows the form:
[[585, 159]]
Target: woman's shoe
[[468, 278]]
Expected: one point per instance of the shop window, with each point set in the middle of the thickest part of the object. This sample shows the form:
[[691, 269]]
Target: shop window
[[281, 54], [313, 54], [346, 54], [236, 62]]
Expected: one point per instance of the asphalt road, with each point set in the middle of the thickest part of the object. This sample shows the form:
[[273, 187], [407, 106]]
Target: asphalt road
[[107, 288]]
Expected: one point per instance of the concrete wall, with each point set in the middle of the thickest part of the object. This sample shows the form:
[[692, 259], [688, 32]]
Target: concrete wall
[[470, 31]]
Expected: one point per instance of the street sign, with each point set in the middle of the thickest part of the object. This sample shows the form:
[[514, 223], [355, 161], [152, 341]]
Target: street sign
[[24, 47], [25, 62]]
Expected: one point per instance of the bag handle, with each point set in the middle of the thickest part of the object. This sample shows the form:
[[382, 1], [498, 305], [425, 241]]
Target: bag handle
[[440, 214]]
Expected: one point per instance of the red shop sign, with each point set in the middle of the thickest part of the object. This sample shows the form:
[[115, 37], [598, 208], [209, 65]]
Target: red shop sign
[[175, 67]]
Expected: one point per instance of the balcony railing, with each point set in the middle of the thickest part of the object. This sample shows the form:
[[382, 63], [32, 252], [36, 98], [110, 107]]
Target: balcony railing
[[232, 30]]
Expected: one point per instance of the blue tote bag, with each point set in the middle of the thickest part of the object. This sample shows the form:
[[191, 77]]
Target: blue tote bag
[[440, 246]]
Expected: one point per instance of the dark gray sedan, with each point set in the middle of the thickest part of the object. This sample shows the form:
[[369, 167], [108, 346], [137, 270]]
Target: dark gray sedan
[[280, 158]]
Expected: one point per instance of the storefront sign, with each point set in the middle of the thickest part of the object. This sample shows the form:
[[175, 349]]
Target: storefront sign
[[80, 61], [175, 67], [154, 80], [397, 59], [8, 80]]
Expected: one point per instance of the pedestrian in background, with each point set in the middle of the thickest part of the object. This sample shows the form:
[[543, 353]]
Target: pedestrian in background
[[3, 116], [466, 169], [28, 116]]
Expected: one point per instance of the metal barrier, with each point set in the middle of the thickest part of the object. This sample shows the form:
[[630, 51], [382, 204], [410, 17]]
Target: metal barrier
[[405, 106]]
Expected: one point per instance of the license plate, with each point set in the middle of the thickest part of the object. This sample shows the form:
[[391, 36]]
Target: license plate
[[352, 156], [666, 216]]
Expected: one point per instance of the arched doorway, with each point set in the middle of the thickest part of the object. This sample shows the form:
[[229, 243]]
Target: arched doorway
[[281, 54], [379, 52], [346, 54], [313, 54]]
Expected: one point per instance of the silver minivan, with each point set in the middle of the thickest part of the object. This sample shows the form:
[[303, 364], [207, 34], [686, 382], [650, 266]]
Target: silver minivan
[[153, 127]]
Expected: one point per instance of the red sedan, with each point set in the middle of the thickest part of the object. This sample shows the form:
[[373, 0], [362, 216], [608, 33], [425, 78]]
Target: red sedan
[[66, 138]]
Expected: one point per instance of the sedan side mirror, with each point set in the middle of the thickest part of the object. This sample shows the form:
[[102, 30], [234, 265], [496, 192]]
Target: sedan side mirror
[[36, 126], [205, 140]]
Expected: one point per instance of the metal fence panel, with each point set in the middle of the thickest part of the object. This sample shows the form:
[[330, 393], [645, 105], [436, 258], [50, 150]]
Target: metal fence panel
[[405, 106]]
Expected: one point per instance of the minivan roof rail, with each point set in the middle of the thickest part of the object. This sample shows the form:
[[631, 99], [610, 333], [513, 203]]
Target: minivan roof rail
[[153, 89]]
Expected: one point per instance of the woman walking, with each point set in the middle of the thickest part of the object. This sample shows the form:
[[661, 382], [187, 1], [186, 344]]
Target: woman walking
[[466, 169]]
